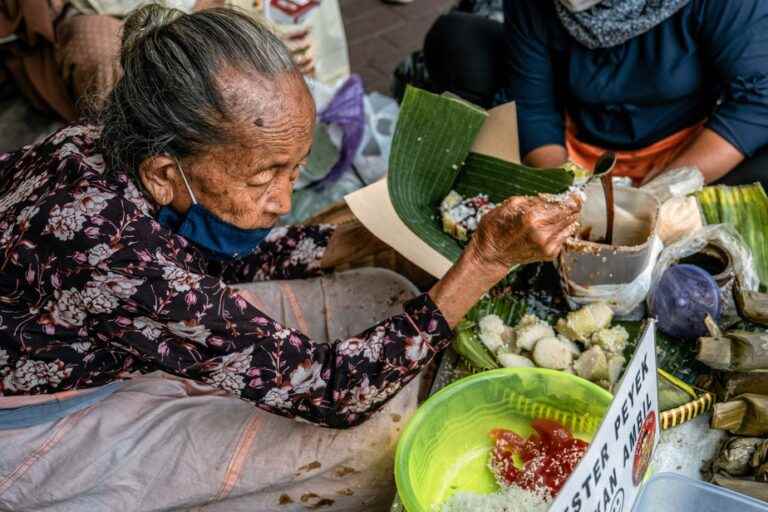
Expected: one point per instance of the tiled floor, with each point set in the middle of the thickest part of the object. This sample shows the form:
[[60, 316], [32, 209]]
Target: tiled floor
[[380, 35]]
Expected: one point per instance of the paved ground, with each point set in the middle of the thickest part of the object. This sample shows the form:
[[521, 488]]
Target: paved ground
[[379, 35]]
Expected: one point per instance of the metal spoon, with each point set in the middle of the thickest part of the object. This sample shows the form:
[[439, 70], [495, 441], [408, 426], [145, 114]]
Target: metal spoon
[[603, 166]]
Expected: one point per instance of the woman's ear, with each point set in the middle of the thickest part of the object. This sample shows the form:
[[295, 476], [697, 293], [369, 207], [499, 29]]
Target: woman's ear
[[159, 176]]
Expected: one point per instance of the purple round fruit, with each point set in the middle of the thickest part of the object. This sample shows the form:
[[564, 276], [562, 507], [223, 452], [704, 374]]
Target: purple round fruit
[[682, 299]]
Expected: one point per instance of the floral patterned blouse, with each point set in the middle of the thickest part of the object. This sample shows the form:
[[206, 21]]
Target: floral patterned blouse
[[93, 288]]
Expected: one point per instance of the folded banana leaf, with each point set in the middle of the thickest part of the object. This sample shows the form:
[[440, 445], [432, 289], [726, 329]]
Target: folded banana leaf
[[746, 208], [430, 156]]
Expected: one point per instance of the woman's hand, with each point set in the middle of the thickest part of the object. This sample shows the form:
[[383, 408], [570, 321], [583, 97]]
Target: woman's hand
[[524, 230], [520, 230]]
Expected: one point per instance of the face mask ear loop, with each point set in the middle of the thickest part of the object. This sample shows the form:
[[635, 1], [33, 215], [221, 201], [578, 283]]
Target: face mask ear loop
[[186, 183]]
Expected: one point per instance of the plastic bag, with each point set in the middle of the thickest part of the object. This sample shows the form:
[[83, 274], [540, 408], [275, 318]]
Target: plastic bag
[[625, 299], [346, 111], [725, 238], [678, 182], [619, 274]]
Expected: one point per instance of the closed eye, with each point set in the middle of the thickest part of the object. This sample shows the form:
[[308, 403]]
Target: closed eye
[[262, 178]]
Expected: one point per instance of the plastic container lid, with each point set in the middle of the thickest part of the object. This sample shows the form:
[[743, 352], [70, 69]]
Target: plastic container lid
[[672, 492]]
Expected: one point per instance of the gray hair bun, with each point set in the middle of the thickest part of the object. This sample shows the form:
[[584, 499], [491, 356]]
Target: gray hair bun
[[144, 22]]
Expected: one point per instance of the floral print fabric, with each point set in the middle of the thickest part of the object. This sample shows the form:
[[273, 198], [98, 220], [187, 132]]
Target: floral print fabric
[[92, 288]]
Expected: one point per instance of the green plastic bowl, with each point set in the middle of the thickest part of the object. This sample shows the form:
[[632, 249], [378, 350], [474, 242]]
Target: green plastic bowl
[[445, 447]]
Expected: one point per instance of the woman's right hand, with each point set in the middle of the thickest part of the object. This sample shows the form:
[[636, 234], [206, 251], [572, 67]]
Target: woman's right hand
[[520, 230], [524, 230]]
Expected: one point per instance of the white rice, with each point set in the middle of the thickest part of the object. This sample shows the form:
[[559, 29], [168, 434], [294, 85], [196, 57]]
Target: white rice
[[509, 499]]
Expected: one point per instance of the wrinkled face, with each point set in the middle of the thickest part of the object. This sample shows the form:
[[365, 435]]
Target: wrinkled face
[[248, 182]]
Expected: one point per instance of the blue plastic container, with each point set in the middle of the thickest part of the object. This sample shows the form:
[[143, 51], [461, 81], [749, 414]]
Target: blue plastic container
[[668, 492]]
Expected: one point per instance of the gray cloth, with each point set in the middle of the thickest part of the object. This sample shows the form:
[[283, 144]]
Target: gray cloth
[[614, 22], [161, 442]]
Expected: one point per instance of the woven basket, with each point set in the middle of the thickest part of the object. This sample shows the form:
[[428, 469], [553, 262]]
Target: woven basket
[[679, 415]]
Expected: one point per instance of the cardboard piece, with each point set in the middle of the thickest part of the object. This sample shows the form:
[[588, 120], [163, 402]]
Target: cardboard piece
[[609, 477], [373, 207], [498, 137]]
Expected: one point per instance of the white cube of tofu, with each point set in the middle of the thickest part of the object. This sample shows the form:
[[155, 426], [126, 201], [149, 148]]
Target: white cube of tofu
[[527, 336], [492, 328], [601, 313], [572, 346], [491, 340], [615, 368], [509, 360], [528, 319], [492, 324], [592, 365], [581, 324], [551, 353], [612, 340]]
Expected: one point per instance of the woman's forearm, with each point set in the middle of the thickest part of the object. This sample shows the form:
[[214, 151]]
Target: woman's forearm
[[553, 155], [710, 153], [462, 286]]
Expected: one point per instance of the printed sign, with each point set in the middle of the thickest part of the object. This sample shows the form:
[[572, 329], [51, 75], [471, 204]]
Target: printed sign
[[609, 476]]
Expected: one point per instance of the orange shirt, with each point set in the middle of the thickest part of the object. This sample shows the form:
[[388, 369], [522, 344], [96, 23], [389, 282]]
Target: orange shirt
[[634, 164]]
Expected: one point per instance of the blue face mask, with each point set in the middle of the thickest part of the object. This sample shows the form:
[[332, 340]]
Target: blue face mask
[[220, 239]]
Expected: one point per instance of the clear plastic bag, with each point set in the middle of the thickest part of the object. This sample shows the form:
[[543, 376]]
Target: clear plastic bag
[[722, 237], [678, 182], [618, 274]]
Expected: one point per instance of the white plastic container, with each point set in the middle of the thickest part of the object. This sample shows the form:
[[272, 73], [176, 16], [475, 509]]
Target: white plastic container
[[669, 492]]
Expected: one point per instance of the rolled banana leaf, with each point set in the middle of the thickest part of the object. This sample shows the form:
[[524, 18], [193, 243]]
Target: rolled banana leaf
[[746, 415], [734, 351], [752, 306], [728, 385], [430, 156]]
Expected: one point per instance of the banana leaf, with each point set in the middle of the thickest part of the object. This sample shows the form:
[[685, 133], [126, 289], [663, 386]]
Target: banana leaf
[[746, 208], [430, 156]]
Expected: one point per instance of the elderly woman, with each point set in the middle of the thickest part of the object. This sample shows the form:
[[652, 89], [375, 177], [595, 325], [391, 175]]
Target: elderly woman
[[133, 376], [665, 83]]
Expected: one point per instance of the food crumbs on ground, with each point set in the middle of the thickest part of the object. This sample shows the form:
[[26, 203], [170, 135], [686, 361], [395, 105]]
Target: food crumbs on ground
[[310, 467], [345, 492], [344, 471], [396, 417], [309, 496], [285, 500], [325, 502]]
